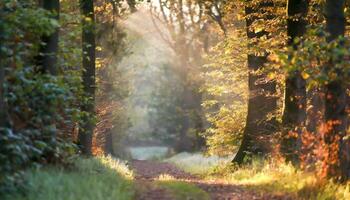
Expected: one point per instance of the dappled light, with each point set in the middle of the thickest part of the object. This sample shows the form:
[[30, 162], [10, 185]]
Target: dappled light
[[174, 99]]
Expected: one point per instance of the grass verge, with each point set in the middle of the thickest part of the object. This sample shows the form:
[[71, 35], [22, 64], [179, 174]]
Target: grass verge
[[281, 178], [265, 176], [102, 178]]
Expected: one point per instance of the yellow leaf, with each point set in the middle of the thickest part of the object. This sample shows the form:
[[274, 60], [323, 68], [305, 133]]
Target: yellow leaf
[[305, 75], [98, 48], [271, 75]]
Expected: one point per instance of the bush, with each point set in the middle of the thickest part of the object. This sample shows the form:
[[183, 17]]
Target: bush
[[39, 106]]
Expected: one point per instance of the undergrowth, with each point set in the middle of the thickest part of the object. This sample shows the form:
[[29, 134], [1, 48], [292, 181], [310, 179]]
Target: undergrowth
[[101, 178]]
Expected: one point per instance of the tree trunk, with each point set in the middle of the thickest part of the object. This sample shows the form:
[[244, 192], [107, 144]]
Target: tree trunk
[[4, 119], [47, 59], [260, 105], [132, 5], [108, 143], [3, 109], [88, 42], [335, 91], [294, 114]]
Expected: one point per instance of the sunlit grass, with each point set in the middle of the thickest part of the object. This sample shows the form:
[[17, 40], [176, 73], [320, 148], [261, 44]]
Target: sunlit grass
[[166, 177], [101, 178], [181, 190], [265, 176], [280, 178], [197, 163]]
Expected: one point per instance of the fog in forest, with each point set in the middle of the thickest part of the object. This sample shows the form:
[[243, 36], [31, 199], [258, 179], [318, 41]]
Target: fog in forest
[[151, 62]]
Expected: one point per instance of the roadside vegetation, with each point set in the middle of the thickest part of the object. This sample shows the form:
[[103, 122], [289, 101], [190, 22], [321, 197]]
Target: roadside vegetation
[[265, 176], [249, 94], [100, 178]]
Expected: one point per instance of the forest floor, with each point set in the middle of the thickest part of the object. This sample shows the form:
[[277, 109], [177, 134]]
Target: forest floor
[[164, 181]]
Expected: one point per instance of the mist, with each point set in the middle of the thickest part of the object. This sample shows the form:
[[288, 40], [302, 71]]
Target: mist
[[149, 56]]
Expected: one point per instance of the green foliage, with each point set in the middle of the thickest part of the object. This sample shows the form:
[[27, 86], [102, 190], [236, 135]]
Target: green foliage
[[226, 94], [40, 107], [96, 179], [165, 106], [318, 60]]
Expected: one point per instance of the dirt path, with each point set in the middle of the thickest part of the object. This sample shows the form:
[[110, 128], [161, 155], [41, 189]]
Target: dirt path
[[148, 171]]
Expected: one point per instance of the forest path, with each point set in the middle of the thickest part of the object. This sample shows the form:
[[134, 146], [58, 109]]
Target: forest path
[[148, 172]]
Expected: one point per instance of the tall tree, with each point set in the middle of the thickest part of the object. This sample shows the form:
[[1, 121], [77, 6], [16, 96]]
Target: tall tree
[[89, 67], [294, 114], [260, 103], [47, 60], [2, 94], [335, 90], [2, 72], [132, 5]]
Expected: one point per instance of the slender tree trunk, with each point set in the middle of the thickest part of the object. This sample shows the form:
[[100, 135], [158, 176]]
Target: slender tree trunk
[[294, 114], [4, 118], [88, 40], [335, 91], [3, 109], [47, 59], [132, 5], [260, 105]]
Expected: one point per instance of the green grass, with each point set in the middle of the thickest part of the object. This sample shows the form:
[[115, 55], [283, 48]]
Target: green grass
[[181, 190], [101, 178]]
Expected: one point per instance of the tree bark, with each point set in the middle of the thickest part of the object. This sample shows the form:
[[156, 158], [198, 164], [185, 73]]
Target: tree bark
[[3, 110], [294, 114], [89, 57], [47, 59], [108, 143], [336, 97], [260, 104], [2, 81], [132, 5]]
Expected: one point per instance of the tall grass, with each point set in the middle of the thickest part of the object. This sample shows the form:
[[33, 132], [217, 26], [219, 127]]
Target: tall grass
[[265, 176], [102, 178], [281, 178]]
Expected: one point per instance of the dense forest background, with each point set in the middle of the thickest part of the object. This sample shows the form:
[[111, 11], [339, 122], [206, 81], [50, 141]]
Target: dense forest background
[[244, 80]]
